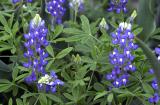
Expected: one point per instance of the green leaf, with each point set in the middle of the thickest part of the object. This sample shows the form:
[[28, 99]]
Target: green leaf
[[65, 75], [43, 99], [10, 101], [4, 67], [85, 24], [14, 91], [54, 98], [156, 37], [149, 78], [110, 97], [156, 32], [122, 91], [26, 95], [100, 94], [74, 38], [73, 31], [4, 46], [50, 50], [146, 18], [15, 73], [152, 58], [147, 88], [5, 37], [4, 85], [19, 102], [64, 52], [10, 21], [58, 31], [70, 97], [137, 31], [21, 77], [15, 28], [3, 20], [49, 64], [98, 87], [4, 81], [113, 24]]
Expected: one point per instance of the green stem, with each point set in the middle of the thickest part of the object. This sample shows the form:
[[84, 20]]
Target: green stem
[[95, 38], [75, 15], [21, 88], [90, 80], [5, 56], [36, 101], [129, 100]]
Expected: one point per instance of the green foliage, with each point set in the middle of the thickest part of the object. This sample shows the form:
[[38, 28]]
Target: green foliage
[[78, 53]]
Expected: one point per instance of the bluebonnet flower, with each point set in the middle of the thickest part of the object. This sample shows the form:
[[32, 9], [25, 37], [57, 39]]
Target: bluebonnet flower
[[154, 84], [31, 78], [35, 44], [29, 1], [157, 51], [154, 99], [118, 6], [121, 57], [151, 71], [49, 82], [56, 9], [16, 1], [77, 5]]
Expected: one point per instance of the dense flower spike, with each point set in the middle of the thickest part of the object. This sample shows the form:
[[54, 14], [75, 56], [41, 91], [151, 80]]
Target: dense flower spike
[[35, 43], [56, 9], [77, 5], [118, 6], [49, 82], [121, 57]]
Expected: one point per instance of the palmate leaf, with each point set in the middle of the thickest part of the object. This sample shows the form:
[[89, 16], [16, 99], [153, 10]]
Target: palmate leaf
[[84, 35], [4, 85], [153, 59]]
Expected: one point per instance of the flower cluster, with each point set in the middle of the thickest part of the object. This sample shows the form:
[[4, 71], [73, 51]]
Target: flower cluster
[[35, 43], [77, 5], [49, 82], [118, 6], [16, 1], [154, 84], [55, 8], [121, 57]]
